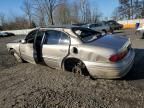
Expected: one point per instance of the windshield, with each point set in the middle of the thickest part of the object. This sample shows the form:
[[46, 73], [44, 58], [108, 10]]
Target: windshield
[[86, 35]]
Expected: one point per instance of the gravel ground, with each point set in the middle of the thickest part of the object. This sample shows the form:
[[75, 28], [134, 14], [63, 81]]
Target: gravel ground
[[36, 86]]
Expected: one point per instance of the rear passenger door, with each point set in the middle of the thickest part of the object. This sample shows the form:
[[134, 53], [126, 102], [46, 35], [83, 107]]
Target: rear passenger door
[[55, 48]]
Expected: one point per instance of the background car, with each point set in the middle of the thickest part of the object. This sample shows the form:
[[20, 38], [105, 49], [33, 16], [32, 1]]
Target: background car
[[140, 32], [114, 25], [6, 34], [101, 27], [79, 24], [3, 34]]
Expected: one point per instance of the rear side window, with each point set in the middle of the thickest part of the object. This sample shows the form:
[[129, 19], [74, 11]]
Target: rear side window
[[85, 34], [52, 37], [64, 39], [56, 37]]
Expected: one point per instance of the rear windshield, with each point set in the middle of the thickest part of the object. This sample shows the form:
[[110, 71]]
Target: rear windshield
[[86, 35]]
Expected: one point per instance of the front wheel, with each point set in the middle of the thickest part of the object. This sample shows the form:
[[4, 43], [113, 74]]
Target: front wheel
[[77, 70], [17, 57]]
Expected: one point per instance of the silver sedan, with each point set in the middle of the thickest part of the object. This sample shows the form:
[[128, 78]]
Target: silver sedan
[[77, 49]]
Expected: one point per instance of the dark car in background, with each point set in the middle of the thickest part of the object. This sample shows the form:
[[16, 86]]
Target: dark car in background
[[114, 25], [102, 27], [6, 34], [79, 24]]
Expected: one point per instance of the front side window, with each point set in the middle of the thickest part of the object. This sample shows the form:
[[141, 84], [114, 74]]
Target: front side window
[[30, 37], [64, 39], [56, 37]]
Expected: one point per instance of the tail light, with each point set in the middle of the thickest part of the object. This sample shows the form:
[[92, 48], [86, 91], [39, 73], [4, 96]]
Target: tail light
[[118, 57]]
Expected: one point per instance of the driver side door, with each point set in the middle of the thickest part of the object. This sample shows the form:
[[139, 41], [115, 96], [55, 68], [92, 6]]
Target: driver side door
[[27, 48]]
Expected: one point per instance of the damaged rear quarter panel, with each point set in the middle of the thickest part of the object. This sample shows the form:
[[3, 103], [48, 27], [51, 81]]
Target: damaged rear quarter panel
[[91, 53]]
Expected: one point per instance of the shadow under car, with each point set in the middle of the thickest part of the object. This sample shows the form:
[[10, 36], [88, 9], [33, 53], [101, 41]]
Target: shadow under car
[[137, 71]]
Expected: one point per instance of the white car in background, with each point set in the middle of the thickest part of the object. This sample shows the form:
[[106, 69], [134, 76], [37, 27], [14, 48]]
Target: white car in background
[[140, 32]]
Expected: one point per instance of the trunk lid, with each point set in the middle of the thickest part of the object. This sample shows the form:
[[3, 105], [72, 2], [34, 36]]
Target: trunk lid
[[116, 43]]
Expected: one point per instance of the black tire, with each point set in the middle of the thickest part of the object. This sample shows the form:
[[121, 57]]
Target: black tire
[[76, 66], [77, 69], [80, 69], [142, 37]]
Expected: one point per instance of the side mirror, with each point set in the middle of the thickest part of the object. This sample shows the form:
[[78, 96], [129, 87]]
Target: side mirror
[[23, 41]]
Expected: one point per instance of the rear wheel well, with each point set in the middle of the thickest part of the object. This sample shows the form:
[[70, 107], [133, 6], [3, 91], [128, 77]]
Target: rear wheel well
[[69, 63]]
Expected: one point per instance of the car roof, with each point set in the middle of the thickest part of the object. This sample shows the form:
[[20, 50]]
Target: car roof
[[94, 23], [59, 26], [62, 28], [66, 28]]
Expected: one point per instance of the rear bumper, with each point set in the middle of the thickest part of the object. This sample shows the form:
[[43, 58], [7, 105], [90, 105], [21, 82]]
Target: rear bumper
[[111, 70]]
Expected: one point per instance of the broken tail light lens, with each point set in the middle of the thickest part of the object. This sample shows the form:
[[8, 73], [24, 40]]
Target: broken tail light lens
[[118, 57]]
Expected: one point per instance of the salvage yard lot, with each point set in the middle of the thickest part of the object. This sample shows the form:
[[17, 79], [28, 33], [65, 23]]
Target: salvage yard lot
[[27, 85]]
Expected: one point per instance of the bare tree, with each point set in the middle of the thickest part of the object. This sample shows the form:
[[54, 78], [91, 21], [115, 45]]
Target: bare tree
[[124, 9], [39, 13], [74, 11], [138, 8], [129, 9], [85, 10], [95, 15], [27, 8], [50, 6], [18, 22], [63, 14], [115, 15], [123, 1], [46, 12], [41, 16], [2, 19], [47, 7]]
